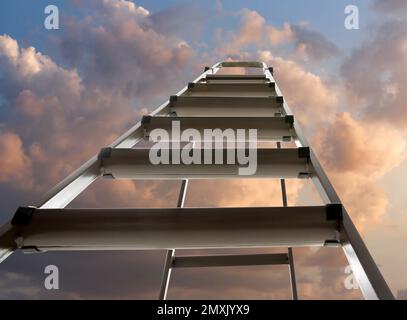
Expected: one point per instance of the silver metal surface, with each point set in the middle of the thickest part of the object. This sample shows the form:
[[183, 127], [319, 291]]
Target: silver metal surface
[[165, 281], [136, 164], [166, 277], [268, 128], [293, 282], [177, 228], [231, 89], [235, 77], [229, 260]]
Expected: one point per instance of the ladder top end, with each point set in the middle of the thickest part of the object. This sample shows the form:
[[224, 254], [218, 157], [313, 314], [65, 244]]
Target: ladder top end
[[241, 64]]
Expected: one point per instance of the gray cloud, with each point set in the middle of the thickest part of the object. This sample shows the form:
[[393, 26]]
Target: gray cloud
[[54, 118], [173, 20], [374, 75], [308, 43], [390, 6], [314, 44], [402, 294], [126, 52]]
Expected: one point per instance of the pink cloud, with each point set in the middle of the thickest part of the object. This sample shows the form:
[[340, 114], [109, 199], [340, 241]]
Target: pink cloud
[[251, 30], [374, 75], [72, 116], [279, 36], [353, 151], [390, 6], [310, 97], [15, 164]]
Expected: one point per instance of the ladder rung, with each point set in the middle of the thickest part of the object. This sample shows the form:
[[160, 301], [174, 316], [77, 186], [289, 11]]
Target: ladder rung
[[270, 163], [231, 102], [247, 89], [226, 111], [268, 128], [175, 228], [241, 64], [225, 106], [235, 77], [234, 81], [229, 260]]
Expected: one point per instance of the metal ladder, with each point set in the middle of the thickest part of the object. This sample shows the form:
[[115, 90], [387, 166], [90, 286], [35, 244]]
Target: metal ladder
[[213, 100]]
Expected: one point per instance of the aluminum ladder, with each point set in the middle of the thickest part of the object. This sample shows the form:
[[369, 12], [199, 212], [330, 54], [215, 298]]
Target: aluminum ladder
[[213, 100]]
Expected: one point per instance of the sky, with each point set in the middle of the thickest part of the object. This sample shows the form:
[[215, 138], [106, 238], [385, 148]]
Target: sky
[[66, 93]]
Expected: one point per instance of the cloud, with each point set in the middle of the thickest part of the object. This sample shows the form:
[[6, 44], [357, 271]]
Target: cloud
[[309, 44], [232, 45], [352, 150], [312, 44], [105, 193], [113, 72], [53, 101], [130, 275], [352, 146], [240, 193], [374, 75], [111, 75], [321, 274], [121, 50], [390, 6], [254, 30], [125, 6], [234, 283], [15, 164], [304, 91], [279, 36], [27, 68], [17, 286], [402, 294], [252, 27], [9, 49], [171, 21]]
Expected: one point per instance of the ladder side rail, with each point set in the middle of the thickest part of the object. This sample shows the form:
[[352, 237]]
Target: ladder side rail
[[165, 282], [293, 282]]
